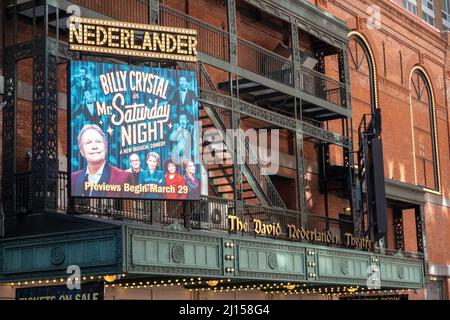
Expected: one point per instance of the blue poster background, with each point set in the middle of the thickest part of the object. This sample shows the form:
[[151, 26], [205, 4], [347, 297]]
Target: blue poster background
[[138, 110]]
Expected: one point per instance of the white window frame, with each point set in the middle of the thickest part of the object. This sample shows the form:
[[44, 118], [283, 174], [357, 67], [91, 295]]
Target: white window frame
[[429, 19], [446, 12], [410, 5], [427, 10]]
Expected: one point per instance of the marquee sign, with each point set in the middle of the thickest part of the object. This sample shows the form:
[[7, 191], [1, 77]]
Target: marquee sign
[[297, 233], [133, 132], [132, 39]]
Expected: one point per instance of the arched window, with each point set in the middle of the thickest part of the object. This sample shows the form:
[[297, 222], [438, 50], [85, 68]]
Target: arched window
[[363, 75], [426, 166], [363, 84]]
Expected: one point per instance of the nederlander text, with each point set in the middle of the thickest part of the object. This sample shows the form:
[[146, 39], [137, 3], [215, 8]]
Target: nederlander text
[[143, 40]]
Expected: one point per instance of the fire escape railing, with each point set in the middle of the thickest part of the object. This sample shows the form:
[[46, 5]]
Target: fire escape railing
[[208, 213], [251, 162], [261, 61]]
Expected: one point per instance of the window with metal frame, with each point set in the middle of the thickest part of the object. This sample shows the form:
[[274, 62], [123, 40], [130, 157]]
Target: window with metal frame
[[410, 5], [424, 131], [428, 11], [446, 13]]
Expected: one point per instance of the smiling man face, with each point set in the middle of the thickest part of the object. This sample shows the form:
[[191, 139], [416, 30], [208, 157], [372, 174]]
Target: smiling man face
[[93, 147], [182, 83], [135, 161]]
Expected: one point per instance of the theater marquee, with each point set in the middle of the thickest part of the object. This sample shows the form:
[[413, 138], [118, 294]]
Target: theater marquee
[[132, 39], [297, 233]]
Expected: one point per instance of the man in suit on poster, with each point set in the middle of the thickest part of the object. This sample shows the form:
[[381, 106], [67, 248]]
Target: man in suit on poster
[[93, 147], [184, 100]]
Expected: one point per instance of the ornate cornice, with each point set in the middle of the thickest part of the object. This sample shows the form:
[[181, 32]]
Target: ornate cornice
[[406, 17], [393, 85]]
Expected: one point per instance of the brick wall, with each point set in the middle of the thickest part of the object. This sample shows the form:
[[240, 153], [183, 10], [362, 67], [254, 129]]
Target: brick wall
[[24, 112], [130, 10], [418, 44]]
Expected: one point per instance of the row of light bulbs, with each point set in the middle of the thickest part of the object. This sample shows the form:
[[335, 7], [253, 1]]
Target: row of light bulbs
[[275, 290], [107, 278], [268, 288], [225, 286], [75, 19], [133, 53], [336, 294], [112, 278], [166, 283]]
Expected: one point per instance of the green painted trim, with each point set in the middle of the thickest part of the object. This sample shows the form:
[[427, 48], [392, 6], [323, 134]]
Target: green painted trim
[[151, 250], [5, 240], [164, 244], [96, 251], [264, 259]]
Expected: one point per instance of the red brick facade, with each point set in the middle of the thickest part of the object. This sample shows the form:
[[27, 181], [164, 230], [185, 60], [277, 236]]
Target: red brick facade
[[418, 44]]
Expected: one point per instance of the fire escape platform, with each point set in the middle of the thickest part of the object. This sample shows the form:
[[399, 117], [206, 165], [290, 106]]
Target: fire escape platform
[[265, 95]]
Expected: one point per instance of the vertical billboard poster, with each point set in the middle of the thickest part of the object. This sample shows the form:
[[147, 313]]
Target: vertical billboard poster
[[133, 132]]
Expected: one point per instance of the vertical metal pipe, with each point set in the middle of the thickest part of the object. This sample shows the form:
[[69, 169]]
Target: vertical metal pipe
[[14, 200], [46, 168]]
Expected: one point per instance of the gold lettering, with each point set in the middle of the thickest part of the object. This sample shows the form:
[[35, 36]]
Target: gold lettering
[[101, 31], [291, 231], [231, 221], [181, 44], [258, 226], [302, 233], [192, 45], [169, 47], [107, 35], [89, 33], [78, 33], [278, 230], [269, 229], [133, 46], [348, 237], [112, 37], [263, 229], [124, 38], [147, 41], [237, 225], [159, 41]]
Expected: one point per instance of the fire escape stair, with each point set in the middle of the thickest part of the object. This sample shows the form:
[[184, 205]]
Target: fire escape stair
[[257, 188]]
